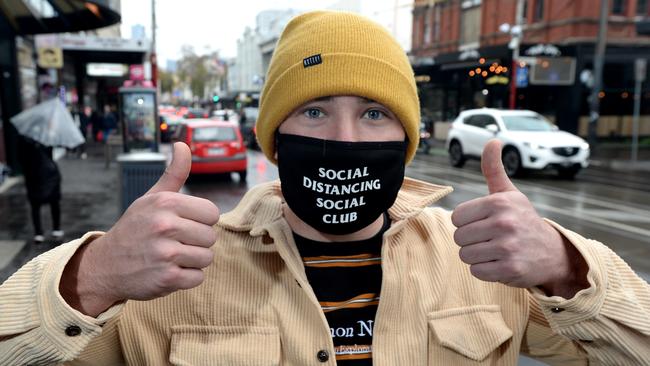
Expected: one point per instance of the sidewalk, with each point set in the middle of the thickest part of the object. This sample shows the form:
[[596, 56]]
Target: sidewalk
[[90, 202]]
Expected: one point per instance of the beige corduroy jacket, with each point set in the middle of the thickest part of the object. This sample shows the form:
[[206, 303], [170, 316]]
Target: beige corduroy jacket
[[256, 306]]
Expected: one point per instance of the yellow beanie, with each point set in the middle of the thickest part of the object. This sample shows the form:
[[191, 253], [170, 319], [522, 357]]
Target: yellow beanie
[[327, 53]]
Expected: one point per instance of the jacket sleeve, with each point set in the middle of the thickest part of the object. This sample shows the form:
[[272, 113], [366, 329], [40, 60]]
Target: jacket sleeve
[[609, 320], [38, 327]]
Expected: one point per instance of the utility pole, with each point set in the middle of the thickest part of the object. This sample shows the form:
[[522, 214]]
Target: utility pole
[[517, 34], [153, 59], [599, 60]]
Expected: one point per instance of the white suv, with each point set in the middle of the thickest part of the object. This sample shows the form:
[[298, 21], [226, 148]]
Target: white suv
[[529, 141]]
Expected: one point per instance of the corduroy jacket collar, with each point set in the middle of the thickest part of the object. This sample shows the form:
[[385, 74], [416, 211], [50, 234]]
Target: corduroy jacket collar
[[262, 205]]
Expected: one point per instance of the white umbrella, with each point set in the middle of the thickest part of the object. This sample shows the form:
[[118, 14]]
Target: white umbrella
[[49, 123]]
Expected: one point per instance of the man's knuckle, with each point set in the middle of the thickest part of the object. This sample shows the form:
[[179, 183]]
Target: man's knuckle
[[169, 278], [164, 226]]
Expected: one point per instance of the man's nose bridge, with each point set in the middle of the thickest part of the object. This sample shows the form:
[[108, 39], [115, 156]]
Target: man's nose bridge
[[346, 128]]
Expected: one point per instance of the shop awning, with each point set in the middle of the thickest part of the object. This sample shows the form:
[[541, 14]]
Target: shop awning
[[55, 16]]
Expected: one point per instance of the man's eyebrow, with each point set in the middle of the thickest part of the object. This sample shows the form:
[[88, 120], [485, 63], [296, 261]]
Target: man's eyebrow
[[322, 99], [366, 101]]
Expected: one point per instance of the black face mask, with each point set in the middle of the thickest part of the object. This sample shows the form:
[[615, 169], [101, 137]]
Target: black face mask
[[339, 187]]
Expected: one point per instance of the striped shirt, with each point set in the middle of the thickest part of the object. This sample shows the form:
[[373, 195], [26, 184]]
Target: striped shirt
[[346, 278]]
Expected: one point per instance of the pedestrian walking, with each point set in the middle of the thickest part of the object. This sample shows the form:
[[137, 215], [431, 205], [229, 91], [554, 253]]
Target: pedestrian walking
[[109, 123], [84, 121], [43, 183], [342, 261]]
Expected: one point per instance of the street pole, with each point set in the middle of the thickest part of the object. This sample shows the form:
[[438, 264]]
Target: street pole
[[519, 21], [639, 77], [599, 60], [154, 61]]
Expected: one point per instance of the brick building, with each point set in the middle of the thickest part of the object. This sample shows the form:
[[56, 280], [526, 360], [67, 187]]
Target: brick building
[[462, 59]]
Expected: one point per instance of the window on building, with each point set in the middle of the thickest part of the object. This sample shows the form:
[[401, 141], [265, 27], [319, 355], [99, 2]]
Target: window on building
[[436, 23], [619, 7], [642, 7], [538, 11], [427, 26], [470, 23], [525, 11]]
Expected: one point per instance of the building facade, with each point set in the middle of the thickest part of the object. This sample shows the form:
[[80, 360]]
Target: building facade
[[461, 55]]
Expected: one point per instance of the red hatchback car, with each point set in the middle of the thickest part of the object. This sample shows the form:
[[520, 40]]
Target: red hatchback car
[[217, 146]]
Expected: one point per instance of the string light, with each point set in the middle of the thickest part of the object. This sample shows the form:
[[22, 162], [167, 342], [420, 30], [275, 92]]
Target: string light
[[471, 73]]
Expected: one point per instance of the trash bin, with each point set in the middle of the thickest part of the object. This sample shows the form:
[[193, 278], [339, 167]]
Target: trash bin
[[138, 171]]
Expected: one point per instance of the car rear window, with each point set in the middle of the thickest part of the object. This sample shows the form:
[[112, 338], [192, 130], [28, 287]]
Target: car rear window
[[205, 134], [526, 123]]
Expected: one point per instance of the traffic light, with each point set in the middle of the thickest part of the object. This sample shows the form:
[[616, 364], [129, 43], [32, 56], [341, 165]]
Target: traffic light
[[215, 99]]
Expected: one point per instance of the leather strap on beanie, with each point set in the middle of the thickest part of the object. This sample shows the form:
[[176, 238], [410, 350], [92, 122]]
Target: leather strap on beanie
[[328, 53]]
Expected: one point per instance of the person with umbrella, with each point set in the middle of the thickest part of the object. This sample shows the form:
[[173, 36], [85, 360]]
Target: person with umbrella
[[43, 183], [41, 128]]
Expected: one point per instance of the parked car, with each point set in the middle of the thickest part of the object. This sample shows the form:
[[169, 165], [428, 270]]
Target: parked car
[[217, 146], [168, 125], [529, 140], [196, 113]]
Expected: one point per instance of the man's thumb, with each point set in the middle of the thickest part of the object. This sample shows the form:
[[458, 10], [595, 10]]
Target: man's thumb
[[177, 172], [493, 170]]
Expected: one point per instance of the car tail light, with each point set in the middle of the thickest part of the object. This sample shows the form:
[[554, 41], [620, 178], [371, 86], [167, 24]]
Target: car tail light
[[192, 147], [235, 145]]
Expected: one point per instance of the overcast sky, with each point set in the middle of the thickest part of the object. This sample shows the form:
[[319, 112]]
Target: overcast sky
[[211, 25]]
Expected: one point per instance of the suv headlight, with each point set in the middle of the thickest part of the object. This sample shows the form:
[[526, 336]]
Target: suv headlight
[[534, 146]]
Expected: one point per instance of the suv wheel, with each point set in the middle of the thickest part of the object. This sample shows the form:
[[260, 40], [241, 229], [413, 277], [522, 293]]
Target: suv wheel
[[511, 161], [456, 157]]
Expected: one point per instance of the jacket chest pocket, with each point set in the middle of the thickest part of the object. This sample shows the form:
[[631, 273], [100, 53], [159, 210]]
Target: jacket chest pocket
[[212, 345], [474, 335]]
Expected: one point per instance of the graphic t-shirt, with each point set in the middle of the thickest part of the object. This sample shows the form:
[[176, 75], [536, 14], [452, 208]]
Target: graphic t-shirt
[[346, 278]]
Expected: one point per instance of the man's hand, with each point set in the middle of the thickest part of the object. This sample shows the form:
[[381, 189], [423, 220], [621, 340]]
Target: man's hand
[[158, 246], [503, 239]]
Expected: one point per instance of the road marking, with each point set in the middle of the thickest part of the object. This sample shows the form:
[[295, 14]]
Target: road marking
[[479, 189], [8, 250], [529, 188]]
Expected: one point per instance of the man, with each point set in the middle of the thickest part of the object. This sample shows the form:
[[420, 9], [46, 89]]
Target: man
[[343, 263]]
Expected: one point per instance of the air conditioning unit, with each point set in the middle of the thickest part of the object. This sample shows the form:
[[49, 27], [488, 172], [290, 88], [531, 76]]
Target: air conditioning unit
[[553, 71]]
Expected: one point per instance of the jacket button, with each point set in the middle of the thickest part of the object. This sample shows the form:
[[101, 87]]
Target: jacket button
[[72, 331], [323, 356], [557, 310]]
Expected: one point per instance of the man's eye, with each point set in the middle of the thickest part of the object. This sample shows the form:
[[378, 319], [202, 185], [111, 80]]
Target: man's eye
[[374, 114], [313, 113]]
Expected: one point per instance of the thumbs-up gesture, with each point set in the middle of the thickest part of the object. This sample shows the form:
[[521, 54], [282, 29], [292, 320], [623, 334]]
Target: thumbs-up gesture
[[158, 246], [503, 239]]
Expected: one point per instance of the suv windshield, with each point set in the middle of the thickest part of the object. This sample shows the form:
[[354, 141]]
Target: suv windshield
[[527, 123], [206, 134]]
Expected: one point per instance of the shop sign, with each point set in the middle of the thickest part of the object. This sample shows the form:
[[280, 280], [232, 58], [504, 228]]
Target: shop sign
[[543, 50], [136, 72], [105, 69]]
